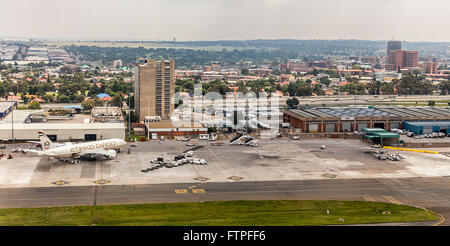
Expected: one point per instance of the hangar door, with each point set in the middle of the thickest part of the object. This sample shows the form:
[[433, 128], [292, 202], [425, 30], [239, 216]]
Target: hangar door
[[395, 125], [90, 137], [427, 130], [361, 126], [379, 125], [330, 127], [313, 127], [346, 127]]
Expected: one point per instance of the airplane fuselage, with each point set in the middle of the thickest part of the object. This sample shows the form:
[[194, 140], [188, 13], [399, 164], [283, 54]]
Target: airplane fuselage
[[77, 149]]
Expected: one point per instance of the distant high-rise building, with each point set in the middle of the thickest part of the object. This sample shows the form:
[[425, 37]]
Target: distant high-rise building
[[154, 87], [430, 67], [399, 59], [410, 58], [393, 45]]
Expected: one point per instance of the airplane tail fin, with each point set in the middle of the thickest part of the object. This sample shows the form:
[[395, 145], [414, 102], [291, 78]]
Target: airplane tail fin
[[46, 143]]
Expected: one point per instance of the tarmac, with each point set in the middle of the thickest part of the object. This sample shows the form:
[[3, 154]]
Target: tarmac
[[272, 160], [276, 169]]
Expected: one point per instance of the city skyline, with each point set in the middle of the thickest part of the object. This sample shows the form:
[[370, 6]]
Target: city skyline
[[406, 20]]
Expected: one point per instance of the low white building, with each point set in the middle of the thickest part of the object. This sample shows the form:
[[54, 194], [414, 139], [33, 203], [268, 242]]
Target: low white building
[[61, 130]]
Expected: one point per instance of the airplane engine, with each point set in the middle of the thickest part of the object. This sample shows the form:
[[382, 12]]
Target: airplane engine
[[112, 154]]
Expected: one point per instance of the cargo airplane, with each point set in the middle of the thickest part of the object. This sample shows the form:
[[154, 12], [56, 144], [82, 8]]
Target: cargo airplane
[[97, 150]]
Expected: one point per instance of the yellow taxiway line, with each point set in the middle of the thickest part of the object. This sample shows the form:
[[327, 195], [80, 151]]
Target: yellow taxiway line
[[415, 150]]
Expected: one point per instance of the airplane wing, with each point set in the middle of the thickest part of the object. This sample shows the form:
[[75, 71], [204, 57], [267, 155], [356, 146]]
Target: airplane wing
[[35, 142], [38, 142], [33, 151], [99, 154]]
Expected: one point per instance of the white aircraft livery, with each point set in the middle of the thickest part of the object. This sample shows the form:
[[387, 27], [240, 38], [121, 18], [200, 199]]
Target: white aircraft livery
[[103, 149]]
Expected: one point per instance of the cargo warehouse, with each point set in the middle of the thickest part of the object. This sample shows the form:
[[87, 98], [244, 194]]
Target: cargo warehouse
[[348, 119]]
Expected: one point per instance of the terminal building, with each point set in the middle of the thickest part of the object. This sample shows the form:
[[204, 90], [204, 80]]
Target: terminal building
[[349, 119]]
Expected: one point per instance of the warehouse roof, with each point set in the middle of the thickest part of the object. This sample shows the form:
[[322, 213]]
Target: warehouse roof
[[392, 111], [372, 130]]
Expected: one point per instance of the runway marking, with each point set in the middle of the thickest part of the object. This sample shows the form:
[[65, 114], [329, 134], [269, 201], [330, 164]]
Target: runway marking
[[62, 172], [196, 191], [392, 200], [60, 182], [102, 181], [328, 175], [101, 170], [202, 179], [218, 160], [181, 191], [235, 178], [442, 219], [214, 154]]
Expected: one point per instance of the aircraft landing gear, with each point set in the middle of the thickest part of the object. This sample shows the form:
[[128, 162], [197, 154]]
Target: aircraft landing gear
[[118, 150], [75, 161]]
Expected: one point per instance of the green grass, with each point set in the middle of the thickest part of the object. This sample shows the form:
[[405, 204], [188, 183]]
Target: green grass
[[224, 213]]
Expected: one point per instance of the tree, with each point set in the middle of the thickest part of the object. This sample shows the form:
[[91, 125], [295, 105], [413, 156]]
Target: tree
[[91, 103], [34, 105], [292, 102], [245, 71], [444, 87], [304, 90], [117, 100], [48, 98]]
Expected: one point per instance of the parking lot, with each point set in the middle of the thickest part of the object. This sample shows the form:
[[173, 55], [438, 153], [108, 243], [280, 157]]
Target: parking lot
[[279, 159]]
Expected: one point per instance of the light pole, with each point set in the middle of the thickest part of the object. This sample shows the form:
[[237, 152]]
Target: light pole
[[12, 124], [129, 123]]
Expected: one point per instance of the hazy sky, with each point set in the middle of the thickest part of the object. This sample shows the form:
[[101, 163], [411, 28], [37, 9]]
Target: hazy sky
[[411, 20]]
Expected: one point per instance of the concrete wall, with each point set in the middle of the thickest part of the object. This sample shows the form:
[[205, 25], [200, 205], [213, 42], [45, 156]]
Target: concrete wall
[[426, 145]]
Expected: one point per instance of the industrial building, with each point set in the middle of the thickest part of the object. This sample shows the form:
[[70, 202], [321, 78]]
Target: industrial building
[[427, 127], [348, 119], [23, 125]]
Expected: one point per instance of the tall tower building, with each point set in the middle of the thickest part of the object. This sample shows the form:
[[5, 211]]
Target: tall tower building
[[154, 86], [393, 45]]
